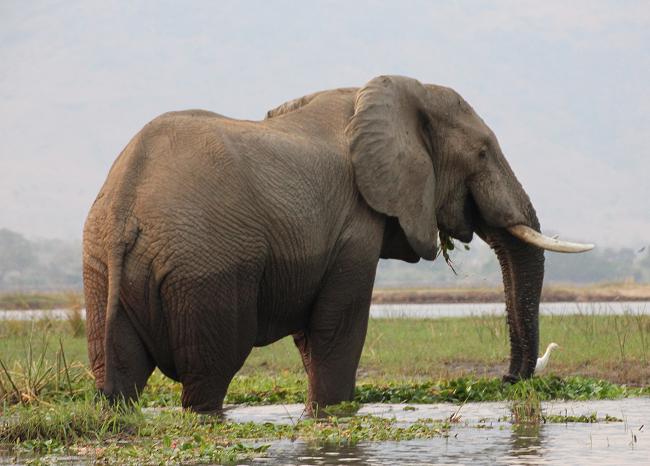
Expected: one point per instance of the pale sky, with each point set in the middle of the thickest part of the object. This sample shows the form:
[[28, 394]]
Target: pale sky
[[564, 85]]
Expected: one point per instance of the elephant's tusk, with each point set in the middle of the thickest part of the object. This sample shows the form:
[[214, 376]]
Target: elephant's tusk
[[530, 236]]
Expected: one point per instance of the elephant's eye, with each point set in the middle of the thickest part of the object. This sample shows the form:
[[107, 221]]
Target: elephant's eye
[[482, 154]]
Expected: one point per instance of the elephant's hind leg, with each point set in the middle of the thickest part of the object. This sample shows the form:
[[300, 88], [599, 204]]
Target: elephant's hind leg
[[212, 332], [210, 357], [213, 362], [128, 364]]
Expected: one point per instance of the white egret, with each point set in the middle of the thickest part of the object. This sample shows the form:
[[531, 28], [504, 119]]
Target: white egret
[[543, 361]]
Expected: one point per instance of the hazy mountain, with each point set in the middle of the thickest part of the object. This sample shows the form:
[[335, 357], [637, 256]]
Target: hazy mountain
[[46, 264]]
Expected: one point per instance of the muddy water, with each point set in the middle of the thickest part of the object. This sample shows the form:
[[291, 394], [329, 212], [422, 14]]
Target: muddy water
[[421, 311], [496, 441]]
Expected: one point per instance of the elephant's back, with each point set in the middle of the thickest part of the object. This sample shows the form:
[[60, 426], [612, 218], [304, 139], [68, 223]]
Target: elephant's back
[[159, 179], [193, 174], [176, 154]]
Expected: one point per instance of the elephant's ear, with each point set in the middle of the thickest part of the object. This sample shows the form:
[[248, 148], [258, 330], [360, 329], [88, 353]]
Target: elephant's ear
[[390, 153]]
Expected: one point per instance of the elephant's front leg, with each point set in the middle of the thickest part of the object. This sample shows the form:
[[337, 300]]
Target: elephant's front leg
[[331, 345]]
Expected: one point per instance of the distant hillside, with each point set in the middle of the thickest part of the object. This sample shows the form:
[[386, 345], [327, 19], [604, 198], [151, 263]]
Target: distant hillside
[[53, 264], [42, 264], [479, 267]]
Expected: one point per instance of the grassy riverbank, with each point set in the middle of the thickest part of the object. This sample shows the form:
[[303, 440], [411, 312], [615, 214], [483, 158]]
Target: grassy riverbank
[[41, 300], [49, 404]]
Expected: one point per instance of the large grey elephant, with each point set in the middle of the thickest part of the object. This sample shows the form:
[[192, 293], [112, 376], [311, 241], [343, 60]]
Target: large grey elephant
[[211, 235]]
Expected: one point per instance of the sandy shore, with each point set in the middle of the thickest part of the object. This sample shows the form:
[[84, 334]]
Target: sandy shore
[[553, 293]]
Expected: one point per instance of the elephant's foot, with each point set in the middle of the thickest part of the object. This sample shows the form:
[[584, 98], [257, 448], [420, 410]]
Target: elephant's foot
[[331, 382], [218, 413], [119, 399], [514, 378], [342, 409], [204, 395], [511, 378]]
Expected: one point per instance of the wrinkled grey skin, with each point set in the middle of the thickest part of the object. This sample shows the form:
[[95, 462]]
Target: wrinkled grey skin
[[212, 235]]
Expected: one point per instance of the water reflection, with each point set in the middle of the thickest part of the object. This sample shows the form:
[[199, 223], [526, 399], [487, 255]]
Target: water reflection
[[526, 442], [521, 445]]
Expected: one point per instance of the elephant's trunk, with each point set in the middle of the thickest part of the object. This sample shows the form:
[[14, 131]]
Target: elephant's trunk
[[522, 266]]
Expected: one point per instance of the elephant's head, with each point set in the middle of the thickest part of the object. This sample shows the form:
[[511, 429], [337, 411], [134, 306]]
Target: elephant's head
[[422, 155]]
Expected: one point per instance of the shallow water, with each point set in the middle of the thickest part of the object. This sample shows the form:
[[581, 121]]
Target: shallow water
[[437, 311], [420, 311], [498, 442], [484, 435]]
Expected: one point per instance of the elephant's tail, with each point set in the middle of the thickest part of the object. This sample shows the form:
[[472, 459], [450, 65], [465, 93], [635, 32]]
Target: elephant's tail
[[117, 252], [102, 292], [115, 263]]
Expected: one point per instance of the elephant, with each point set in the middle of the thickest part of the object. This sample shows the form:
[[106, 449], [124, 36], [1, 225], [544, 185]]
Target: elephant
[[211, 236]]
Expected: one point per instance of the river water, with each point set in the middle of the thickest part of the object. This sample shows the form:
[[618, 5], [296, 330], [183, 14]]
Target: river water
[[424, 311]]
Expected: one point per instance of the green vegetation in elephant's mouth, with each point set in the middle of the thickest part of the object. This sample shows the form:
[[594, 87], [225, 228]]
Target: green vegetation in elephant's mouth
[[49, 405]]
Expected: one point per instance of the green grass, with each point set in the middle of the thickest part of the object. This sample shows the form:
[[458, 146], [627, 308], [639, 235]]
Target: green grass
[[613, 347], [406, 358], [583, 418]]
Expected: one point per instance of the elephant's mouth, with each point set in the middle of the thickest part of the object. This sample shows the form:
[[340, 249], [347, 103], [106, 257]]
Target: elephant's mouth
[[462, 227]]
